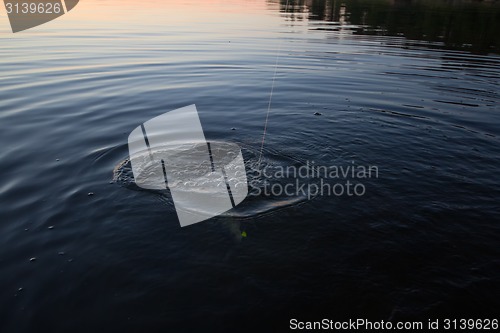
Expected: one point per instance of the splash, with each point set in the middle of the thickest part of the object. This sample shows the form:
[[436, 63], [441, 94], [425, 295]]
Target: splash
[[257, 203]]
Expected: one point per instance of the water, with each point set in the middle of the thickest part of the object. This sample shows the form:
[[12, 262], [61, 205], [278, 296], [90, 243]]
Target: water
[[409, 87]]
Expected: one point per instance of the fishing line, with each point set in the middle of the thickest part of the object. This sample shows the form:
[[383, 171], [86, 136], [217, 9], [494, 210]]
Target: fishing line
[[278, 54]]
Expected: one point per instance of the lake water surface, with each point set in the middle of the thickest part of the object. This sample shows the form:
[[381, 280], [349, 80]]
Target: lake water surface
[[410, 87]]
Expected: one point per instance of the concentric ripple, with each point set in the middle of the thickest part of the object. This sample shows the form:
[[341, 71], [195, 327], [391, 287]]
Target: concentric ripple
[[262, 177]]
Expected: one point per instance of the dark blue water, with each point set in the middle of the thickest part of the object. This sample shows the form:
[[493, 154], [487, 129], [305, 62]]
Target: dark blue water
[[407, 87]]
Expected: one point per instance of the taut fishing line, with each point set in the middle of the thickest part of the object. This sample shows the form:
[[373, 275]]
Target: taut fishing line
[[278, 54]]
